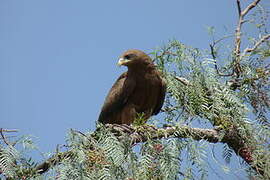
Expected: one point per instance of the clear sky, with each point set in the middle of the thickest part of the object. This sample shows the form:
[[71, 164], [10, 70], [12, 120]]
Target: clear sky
[[58, 57]]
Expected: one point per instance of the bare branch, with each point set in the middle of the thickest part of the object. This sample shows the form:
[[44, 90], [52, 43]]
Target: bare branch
[[238, 30], [240, 22], [237, 49], [9, 130], [257, 44], [249, 7]]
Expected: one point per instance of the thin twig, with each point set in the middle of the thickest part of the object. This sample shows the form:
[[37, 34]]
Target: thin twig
[[213, 53], [4, 138], [170, 53], [9, 130], [183, 80], [221, 39], [257, 44]]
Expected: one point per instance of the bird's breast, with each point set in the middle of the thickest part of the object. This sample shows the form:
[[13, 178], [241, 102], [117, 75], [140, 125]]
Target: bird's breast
[[146, 94]]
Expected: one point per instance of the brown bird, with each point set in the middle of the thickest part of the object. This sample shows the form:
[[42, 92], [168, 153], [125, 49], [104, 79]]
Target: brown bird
[[140, 90]]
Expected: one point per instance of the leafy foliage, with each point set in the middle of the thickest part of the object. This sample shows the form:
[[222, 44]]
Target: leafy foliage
[[8, 157], [108, 158]]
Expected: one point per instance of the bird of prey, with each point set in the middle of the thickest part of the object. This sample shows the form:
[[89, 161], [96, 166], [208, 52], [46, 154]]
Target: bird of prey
[[140, 90]]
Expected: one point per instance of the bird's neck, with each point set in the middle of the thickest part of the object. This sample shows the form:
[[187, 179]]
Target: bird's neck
[[141, 70]]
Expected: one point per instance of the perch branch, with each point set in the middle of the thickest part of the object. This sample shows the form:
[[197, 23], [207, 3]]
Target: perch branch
[[145, 133]]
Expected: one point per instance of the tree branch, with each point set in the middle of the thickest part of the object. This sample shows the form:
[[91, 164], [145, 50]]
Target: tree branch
[[257, 44], [237, 49], [145, 133], [9, 130], [249, 7], [137, 136]]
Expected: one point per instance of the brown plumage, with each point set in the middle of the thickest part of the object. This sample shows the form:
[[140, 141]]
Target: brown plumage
[[140, 90]]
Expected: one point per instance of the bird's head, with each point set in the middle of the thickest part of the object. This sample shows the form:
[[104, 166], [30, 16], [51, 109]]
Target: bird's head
[[133, 57]]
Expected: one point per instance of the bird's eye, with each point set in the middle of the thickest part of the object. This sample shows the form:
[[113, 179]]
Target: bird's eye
[[129, 56]]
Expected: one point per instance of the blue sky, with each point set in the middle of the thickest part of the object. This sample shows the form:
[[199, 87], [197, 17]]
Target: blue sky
[[58, 57]]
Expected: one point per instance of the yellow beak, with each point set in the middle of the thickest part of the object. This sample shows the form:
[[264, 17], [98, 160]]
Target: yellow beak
[[122, 61]]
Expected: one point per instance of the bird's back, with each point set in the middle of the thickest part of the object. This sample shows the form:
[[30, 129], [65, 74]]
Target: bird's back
[[131, 96]]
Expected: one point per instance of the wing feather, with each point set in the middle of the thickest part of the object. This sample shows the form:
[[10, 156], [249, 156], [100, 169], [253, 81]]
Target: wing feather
[[161, 97], [117, 97]]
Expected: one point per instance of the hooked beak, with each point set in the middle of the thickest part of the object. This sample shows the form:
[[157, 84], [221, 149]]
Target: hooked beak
[[122, 61]]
